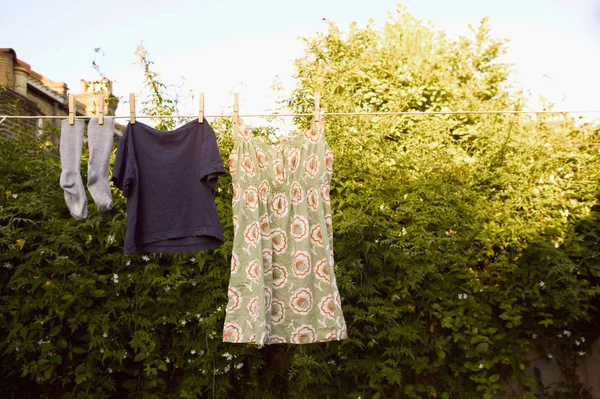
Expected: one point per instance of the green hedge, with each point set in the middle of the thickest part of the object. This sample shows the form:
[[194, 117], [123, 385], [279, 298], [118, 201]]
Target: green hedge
[[461, 243]]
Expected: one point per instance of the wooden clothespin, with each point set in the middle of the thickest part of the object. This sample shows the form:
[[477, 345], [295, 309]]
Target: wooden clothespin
[[101, 109], [317, 105], [201, 108], [236, 107], [71, 109], [132, 108]]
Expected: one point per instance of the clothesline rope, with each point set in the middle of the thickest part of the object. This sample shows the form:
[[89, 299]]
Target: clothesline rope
[[399, 113]]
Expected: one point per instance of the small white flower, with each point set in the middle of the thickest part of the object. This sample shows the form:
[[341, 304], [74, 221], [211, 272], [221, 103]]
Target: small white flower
[[193, 259], [559, 335], [542, 284], [167, 360], [581, 353], [567, 333], [556, 244], [101, 350], [110, 370], [105, 335], [146, 258], [15, 196], [128, 263], [226, 369], [577, 343], [381, 207], [480, 365], [8, 266], [110, 239], [568, 175], [167, 288], [199, 317], [405, 196], [550, 356], [227, 355], [193, 352], [534, 336], [115, 278], [551, 177], [183, 322], [582, 339], [239, 365], [189, 360], [194, 283], [201, 353]]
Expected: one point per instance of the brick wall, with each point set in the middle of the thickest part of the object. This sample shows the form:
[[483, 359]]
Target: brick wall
[[12, 103]]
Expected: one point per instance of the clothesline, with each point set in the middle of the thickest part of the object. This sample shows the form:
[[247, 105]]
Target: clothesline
[[399, 113]]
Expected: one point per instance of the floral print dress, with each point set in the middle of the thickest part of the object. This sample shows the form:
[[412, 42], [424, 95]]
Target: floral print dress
[[282, 287]]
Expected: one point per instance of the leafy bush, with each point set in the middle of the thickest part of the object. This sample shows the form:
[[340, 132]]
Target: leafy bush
[[461, 242]]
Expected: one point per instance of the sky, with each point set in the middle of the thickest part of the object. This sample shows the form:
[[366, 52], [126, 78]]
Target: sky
[[222, 46]]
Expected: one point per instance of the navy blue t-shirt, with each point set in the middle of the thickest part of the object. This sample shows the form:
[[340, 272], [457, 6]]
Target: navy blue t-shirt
[[169, 179]]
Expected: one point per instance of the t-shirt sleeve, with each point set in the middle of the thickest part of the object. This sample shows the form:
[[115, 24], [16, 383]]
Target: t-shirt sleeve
[[122, 173], [211, 165]]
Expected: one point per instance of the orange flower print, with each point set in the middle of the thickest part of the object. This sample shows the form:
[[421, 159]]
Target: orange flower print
[[302, 264], [322, 270], [294, 159], [311, 165], [252, 338], [279, 172], [313, 135], [305, 334], [235, 263], [342, 334], [315, 235], [232, 332], [277, 312], [330, 336], [296, 193], [236, 194], [267, 256], [329, 161], [280, 205], [325, 193], [327, 307], [248, 165], [261, 157], [312, 199], [302, 301], [252, 234], [253, 309], [268, 299], [338, 301], [264, 191], [236, 224], [299, 228], [252, 271], [265, 226], [279, 240], [264, 337], [279, 276], [233, 160], [235, 299], [244, 132], [329, 226], [275, 339], [251, 195]]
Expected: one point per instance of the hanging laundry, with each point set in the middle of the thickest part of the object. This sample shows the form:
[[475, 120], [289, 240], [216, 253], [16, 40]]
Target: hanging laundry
[[282, 287], [100, 142], [169, 180]]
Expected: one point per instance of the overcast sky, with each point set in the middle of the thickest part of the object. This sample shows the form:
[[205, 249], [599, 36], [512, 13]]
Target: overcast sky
[[217, 46]]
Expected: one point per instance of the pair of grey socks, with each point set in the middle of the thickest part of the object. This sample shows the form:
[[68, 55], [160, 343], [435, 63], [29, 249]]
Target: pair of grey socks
[[100, 142]]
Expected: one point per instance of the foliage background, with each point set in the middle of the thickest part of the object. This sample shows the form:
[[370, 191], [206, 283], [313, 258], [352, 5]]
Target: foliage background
[[461, 243]]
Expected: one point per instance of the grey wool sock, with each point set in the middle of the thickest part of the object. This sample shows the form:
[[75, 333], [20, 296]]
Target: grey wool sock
[[100, 142], [71, 143]]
